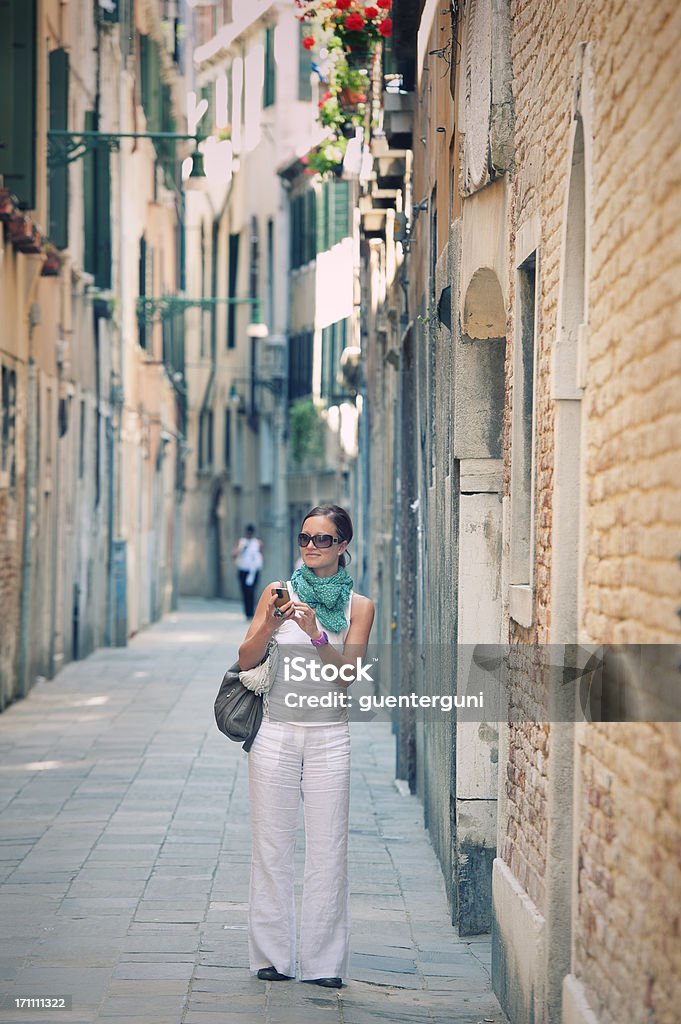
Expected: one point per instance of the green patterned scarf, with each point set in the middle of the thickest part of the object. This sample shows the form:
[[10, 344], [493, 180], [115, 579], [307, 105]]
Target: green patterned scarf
[[328, 595]]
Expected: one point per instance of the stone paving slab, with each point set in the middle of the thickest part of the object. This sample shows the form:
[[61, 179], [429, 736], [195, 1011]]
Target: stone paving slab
[[125, 849]]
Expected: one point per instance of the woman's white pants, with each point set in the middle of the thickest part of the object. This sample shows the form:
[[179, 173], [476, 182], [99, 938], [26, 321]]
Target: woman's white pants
[[285, 761]]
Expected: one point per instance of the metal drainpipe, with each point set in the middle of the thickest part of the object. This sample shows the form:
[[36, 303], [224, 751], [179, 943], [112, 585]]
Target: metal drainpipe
[[116, 390], [29, 505]]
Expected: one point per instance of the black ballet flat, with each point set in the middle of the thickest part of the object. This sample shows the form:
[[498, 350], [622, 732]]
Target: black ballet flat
[[271, 974], [325, 982]]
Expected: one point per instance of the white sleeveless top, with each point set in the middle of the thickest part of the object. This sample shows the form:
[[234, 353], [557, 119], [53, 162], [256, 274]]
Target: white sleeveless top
[[295, 643]]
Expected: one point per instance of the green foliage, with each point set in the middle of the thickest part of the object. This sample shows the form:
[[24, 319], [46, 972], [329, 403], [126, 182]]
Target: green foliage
[[325, 157], [306, 431]]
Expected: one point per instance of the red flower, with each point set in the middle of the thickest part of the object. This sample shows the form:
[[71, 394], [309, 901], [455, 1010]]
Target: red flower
[[385, 5], [343, 5], [354, 22], [370, 12], [327, 96], [386, 27], [308, 42]]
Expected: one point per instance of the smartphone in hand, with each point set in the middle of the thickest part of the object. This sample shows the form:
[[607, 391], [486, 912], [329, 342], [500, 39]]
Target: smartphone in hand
[[282, 596]]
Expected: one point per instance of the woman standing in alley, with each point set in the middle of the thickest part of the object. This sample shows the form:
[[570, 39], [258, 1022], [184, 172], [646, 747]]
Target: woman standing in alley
[[305, 752], [248, 556]]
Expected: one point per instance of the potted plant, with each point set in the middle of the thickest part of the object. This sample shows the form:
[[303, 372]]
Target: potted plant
[[327, 157], [24, 235], [352, 84], [52, 263], [8, 204]]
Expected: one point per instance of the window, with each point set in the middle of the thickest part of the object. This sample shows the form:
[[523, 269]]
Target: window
[[304, 67], [96, 213], [303, 228], [333, 342], [270, 84], [522, 469], [59, 175], [9, 412], [300, 350], [81, 441], [269, 318], [208, 120], [227, 446], [206, 439], [142, 291], [18, 78], [333, 213], [233, 273]]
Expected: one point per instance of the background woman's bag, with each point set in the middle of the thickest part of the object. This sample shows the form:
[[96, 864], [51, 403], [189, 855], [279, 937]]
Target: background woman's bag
[[239, 703]]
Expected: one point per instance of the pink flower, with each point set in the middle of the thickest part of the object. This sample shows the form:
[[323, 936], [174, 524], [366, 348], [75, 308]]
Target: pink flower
[[370, 12], [386, 27], [308, 42], [385, 5], [354, 22], [305, 160]]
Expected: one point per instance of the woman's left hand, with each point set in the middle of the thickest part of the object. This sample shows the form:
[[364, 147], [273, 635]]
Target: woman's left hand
[[305, 617]]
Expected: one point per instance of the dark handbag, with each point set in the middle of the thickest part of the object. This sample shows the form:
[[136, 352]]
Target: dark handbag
[[238, 710]]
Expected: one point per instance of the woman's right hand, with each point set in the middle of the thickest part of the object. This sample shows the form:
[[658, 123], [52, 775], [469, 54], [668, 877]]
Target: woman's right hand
[[274, 616]]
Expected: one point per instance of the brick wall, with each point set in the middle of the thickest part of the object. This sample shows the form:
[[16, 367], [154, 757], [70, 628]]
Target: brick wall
[[627, 952]]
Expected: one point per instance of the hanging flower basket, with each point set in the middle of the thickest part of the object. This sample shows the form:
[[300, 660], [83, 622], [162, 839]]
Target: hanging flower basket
[[352, 24]]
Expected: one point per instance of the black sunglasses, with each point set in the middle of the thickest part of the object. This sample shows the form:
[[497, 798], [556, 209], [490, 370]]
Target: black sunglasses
[[320, 540]]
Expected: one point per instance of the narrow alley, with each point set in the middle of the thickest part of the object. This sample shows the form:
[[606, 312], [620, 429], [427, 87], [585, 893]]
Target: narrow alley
[[125, 856]]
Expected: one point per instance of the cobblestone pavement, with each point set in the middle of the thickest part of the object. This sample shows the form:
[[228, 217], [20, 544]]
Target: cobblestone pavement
[[124, 856]]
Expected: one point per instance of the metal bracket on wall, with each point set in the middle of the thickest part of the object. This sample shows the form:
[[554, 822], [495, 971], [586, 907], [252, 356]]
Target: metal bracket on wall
[[65, 147]]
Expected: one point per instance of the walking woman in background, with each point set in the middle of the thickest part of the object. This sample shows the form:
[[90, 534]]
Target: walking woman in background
[[309, 755], [248, 556]]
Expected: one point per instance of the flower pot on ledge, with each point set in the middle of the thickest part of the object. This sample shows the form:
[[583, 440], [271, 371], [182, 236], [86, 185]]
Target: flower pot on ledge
[[8, 204], [24, 235], [52, 264]]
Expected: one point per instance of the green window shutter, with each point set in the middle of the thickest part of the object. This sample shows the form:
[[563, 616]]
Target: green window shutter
[[208, 120], [166, 147], [341, 210], [150, 62], [326, 361], [142, 291], [89, 240], [233, 272], [296, 253], [310, 225], [103, 215], [59, 175], [270, 87], [18, 73], [97, 214], [328, 202], [304, 67], [321, 217]]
